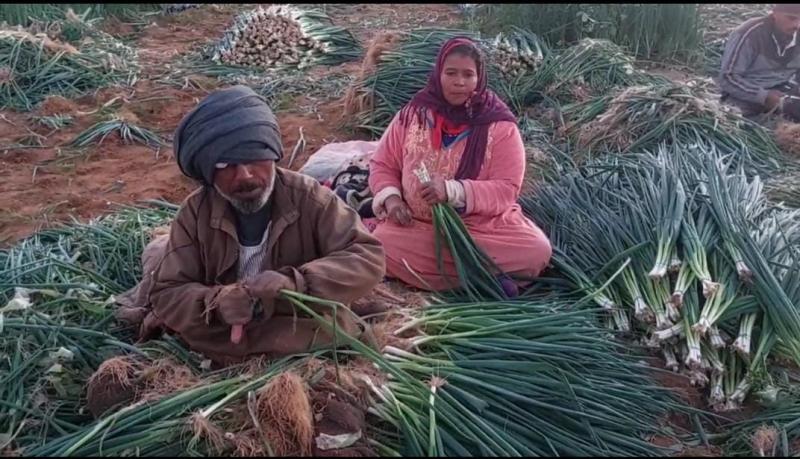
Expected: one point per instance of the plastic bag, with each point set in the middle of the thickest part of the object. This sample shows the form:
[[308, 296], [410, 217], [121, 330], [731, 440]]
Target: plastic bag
[[332, 158]]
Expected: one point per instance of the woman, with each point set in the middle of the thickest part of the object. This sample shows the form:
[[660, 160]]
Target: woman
[[468, 140]]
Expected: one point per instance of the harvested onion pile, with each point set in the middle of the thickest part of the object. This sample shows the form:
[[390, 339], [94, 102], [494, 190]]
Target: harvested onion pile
[[517, 53], [282, 36]]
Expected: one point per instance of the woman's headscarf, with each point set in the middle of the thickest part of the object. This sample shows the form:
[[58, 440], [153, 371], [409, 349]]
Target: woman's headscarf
[[481, 110]]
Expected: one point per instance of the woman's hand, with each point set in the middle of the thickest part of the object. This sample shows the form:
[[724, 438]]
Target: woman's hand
[[435, 191], [398, 211]]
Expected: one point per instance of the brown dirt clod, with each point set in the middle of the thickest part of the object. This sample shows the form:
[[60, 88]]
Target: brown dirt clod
[[787, 136], [111, 385]]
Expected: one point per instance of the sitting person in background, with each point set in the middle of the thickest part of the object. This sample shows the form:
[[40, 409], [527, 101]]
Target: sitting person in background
[[760, 64], [468, 139], [250, 231]]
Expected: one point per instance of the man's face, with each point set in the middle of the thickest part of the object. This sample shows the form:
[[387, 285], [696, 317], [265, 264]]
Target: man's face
[[786, 23], [246, 186]]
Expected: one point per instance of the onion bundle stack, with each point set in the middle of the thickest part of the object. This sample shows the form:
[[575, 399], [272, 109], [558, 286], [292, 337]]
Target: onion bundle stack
[[283, 36], [692, 254], [517, 53]]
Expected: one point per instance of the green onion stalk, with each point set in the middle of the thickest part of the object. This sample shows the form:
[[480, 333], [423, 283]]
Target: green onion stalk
[[640, 310], [656, 304], [675, 263], [742, 342], [670, 211], [662, 287], [745, 274], [694, 354], [727, 215], [671, 362], [683, 283], [581, 280], [667, 334], [695, 241], [715, 306], [711, 358], [732, 381], [716, 396], [715, 338]]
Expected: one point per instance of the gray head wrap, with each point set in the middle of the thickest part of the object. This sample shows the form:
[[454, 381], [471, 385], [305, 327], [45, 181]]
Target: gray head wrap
[[233, 125]]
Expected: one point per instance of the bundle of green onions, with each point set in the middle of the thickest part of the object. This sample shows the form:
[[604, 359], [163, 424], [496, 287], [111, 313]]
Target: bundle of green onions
[[34, 67], [127, 132], [192, 421], [783, 189], [712, 263], [489, 376], [477, 274], [588, 68], [285, 36], [56, 323], [640, 117]]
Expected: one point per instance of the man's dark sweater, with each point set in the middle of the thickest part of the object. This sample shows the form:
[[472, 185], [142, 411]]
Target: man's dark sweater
[[757, 58]]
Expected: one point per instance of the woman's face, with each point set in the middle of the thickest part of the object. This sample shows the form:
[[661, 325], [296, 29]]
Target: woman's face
[[459, 78]]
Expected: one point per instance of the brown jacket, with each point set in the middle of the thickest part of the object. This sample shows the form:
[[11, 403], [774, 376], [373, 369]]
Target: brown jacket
[[314, 238]]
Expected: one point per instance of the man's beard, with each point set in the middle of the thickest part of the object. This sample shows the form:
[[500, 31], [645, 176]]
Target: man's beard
[[250, 206]]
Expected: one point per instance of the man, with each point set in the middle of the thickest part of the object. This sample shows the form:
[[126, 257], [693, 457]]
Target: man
[[760, 64], [250, 231]]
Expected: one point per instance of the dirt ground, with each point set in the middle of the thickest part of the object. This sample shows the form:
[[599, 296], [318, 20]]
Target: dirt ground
[[47, 184]]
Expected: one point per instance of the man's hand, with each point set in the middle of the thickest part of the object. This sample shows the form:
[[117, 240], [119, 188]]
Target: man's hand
[[267, 286], [773, 99], [435, 191], [398, 211], [235, 308]]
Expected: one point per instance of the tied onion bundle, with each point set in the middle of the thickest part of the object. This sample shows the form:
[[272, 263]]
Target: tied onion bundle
[[284, 36], [517, 53]]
